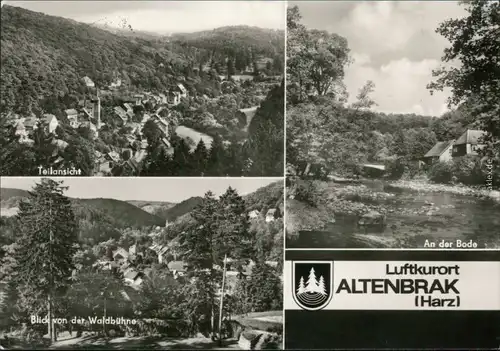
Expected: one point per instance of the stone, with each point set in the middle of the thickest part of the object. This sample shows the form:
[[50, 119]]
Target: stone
[[372, 218]]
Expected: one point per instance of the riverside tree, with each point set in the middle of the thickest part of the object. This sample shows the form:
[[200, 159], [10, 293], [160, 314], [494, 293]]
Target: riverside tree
[[476, 82], [46, 245]]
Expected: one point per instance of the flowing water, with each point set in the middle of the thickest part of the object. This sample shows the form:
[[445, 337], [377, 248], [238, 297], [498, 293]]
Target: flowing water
[[413, 217]]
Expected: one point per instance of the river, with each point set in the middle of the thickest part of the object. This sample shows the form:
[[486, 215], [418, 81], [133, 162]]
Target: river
[[412, 217]]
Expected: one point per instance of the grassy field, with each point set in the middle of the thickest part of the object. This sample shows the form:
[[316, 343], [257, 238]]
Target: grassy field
[[266, 321]]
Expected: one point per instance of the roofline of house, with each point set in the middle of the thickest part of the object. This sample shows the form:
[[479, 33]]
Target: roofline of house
[[449, 143]]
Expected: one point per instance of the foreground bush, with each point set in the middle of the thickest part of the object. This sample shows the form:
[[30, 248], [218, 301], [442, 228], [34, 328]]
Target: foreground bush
[[441, 172], [305, 191]]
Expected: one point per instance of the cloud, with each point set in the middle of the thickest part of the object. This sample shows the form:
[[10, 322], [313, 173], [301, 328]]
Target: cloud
[[400, 85], [393, 43]]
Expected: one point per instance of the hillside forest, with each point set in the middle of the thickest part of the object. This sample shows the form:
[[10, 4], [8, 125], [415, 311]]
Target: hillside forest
[[43, 61]]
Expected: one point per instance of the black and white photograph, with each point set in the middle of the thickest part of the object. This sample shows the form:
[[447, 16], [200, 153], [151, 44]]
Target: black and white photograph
[[141, 263], [392, 124], [142, 88]]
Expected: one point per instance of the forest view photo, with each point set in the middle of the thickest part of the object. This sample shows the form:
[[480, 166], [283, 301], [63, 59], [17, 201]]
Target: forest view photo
[[146, 88], [171, 264], [393, 125]]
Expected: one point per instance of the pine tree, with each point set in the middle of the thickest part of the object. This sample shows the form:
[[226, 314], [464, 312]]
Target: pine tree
[[200, 158], [10, 312], [198, 242], [321, 286], [312, 283], [232, 236], [266, 134], [302, 288], [230, 68], [234, 162], [181, 161], [255, 69], [265, 288], [43, 145], [46, 245], [157, 163], [216, 157]]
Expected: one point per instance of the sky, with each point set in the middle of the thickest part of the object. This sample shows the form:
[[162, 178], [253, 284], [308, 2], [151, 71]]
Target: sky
[[166, 16], [145, 189], [393, 43]]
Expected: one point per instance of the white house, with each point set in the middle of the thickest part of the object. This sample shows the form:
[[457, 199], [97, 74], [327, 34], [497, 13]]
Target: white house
[[88, 82], [163, 98], [160, 251], [72, 116], [441, 152], [138, 99], [116, 83], [120, 255], [173, 98], [271, 215], [132, 250], [178, 268], [253, 214], [469, 143], [22, 133], [161, 124], [120, 112], [182, 90], [133, 278]]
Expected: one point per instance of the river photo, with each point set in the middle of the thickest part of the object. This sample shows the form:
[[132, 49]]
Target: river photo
[[382, 214], [388, 147]]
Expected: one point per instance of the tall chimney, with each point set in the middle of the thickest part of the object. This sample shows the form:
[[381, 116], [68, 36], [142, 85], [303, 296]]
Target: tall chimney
[[98, 111]]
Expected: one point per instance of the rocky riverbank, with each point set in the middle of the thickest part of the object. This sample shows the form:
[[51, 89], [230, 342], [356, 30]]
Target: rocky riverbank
[[425, 186], [339, 200], [381, 214]]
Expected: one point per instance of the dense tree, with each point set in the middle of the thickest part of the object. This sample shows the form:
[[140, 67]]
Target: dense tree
[[474, 44], [198, 245], [263, 291], [216, 158], [97, 293], [158, 163], [265, 144], [232, 237], [161, 297], [230, 68], [181, 161], [268, 296], [15, 158], [199, 158], [48, 233], [316, 59]]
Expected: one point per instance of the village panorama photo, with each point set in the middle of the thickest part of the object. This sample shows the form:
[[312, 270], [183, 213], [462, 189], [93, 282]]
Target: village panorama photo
[[142, 88], [392, 125], [167, 264]]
